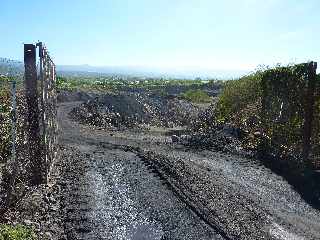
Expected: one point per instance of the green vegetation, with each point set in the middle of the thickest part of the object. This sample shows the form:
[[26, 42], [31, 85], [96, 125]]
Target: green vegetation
[[4, 119], [116, 83], [3, 81], [237, 94], [269, 105], [285, 103], [73, 83], [196, 96], [18, 232]]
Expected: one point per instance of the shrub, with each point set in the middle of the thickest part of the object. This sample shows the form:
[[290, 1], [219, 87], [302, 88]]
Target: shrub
[[63, 83], [237, 94], [196, 96], [282, 91], [18, 232], [117, 82], [5, 124]]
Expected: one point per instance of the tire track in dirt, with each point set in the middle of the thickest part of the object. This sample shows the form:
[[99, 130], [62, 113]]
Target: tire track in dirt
[[109, 194], [220, 204]]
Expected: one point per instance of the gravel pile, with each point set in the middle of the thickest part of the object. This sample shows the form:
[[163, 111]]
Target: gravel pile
[[74, 96], [127, 110]]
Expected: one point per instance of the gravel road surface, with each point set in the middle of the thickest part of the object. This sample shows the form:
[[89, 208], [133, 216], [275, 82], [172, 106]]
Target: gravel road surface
[[140, 185], [111, 194]]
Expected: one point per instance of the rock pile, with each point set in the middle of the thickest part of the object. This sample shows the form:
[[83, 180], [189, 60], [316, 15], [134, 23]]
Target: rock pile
[[127, 110]]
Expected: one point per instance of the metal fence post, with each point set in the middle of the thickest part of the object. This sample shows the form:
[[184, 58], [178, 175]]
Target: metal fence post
[[35, 159], [308, 113]]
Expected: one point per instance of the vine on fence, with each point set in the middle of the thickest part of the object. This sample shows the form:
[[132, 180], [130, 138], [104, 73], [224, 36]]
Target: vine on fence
[[273, 106], [15, 174], [288, 111]]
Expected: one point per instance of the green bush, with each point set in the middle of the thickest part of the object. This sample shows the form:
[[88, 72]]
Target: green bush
[[18, 232], [237, 94], [5, 124], [116, 83], [65, 84], [272, 101], [196, 96]]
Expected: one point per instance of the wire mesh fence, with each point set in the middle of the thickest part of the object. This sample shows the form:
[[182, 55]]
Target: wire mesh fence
[[290, 113], [13, 151], [48, 107], [28, 124]]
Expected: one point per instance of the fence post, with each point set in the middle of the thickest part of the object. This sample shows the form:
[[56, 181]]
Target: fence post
[[36, 173], [308, 113]]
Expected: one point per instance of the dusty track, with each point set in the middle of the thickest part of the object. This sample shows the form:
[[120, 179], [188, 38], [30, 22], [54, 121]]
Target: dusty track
[[109, 193], [138, 185]]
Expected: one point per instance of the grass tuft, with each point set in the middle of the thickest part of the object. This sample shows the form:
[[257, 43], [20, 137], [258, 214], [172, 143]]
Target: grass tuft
[[18, 232], [196, 96]]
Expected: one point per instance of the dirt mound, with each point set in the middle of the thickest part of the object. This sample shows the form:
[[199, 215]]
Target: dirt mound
[[124, 109], [74, 96]]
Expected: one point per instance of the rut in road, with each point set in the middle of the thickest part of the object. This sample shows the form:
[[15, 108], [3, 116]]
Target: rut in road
[[106, 197], [118, 194]]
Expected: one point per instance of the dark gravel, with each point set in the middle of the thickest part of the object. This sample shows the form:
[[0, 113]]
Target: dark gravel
[[127, 110], [109, 193], [120, 185]]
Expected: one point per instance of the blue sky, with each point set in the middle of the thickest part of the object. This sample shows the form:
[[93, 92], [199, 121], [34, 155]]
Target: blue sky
[[239, 34]]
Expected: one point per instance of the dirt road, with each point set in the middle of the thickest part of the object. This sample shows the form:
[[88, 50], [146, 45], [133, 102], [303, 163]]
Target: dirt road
[[139, 185]]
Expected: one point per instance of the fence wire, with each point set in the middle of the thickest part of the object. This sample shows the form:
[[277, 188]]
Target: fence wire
[[289, 113], [26, 155], [48, 107]]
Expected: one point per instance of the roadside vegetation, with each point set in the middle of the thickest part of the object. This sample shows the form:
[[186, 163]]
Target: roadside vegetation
[[4, 119], [196, 96], [117, 83], [238, 94], [240, 104], [18, 232], [276, 133]]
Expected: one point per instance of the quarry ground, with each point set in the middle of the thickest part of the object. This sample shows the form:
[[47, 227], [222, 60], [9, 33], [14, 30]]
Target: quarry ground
[[138, 184]]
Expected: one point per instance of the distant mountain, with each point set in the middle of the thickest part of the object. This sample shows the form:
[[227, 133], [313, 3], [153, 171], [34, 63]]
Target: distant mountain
[[12, 67], [138, 71], [105, 70]]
